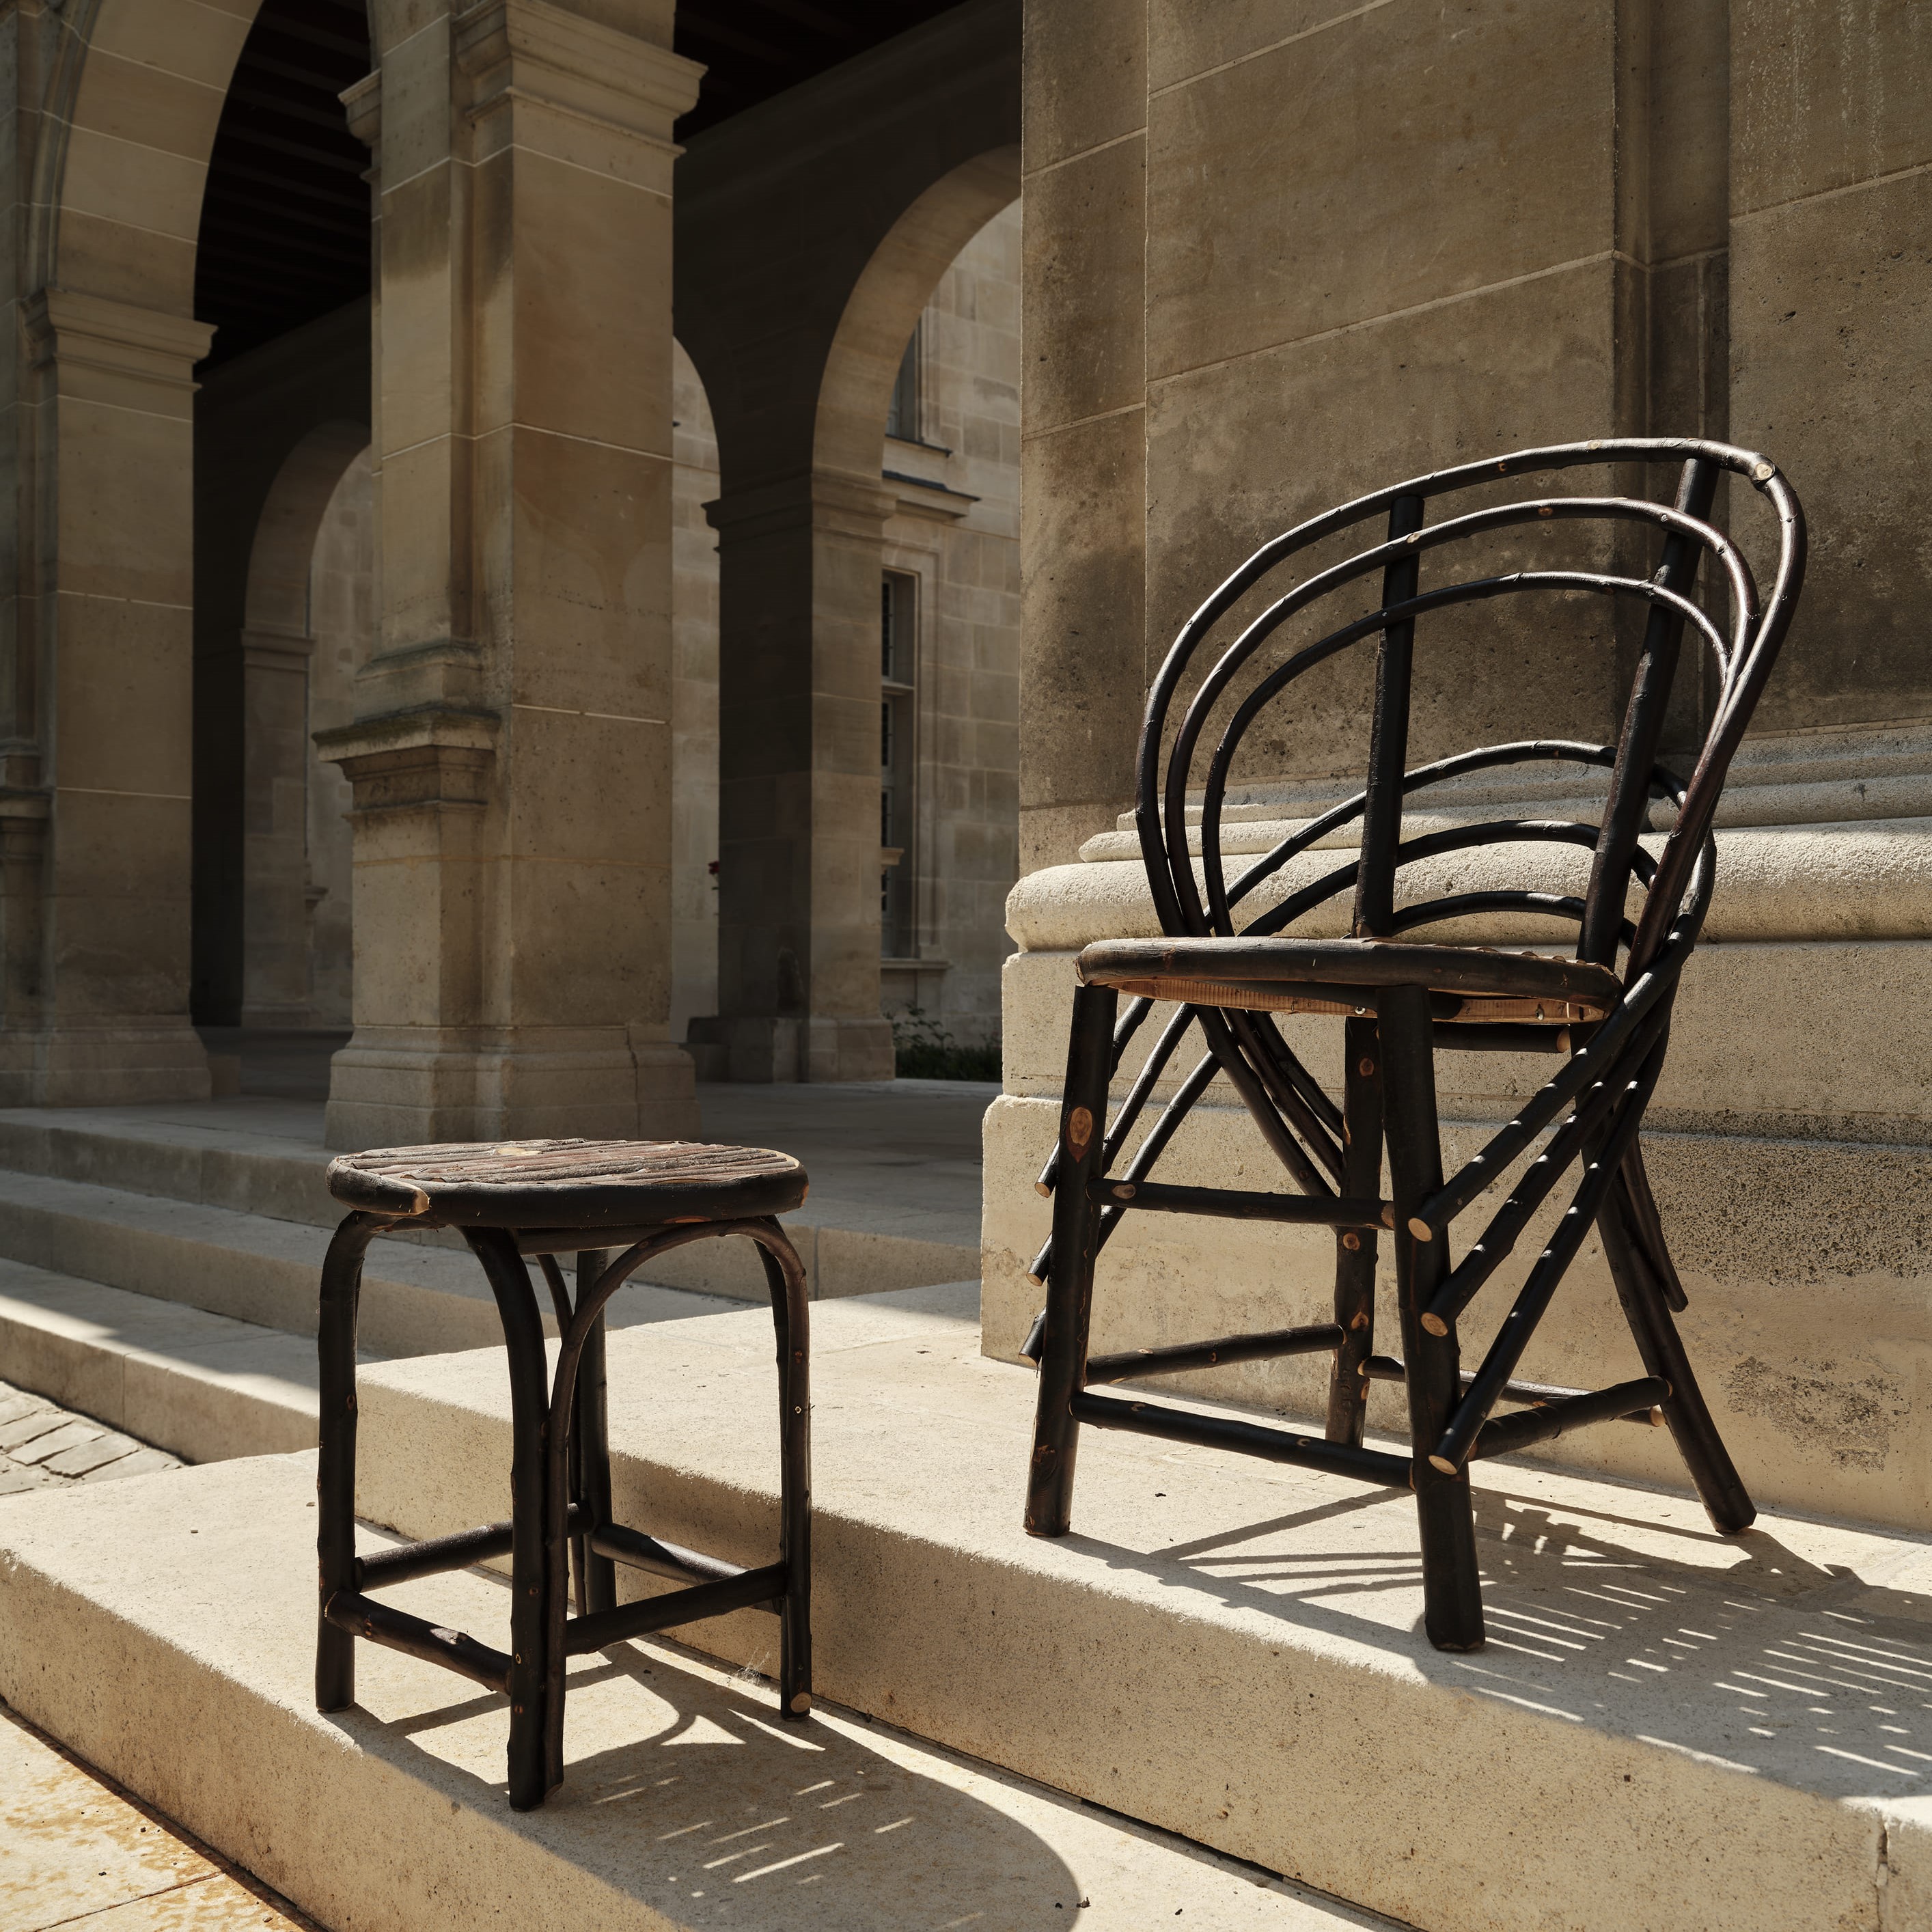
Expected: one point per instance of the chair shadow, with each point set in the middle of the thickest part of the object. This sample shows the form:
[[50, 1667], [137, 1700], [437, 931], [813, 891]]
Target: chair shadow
[[1770, 1662]]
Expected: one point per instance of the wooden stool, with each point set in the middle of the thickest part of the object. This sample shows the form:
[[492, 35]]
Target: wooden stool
[[548, 1198]]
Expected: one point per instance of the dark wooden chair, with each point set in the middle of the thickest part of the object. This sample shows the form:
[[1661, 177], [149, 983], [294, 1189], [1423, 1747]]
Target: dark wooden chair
[[1401, 1001], [544, 1198]]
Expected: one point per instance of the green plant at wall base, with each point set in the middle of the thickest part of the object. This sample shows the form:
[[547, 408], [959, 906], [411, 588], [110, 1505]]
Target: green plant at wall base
[[923, 1050]]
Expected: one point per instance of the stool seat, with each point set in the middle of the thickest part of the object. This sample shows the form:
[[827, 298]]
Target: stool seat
[[573, 1184]]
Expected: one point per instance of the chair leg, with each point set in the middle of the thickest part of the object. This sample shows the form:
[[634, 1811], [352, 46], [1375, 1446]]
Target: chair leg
[[1451, 1578], [785, 1275], [1661, 1349], [537, 1547], [1355, 1249], [597, 1590], [335, 1462], [1070, 1287]]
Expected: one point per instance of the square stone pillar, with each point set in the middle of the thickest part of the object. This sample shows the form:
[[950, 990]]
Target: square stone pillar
[[798, 851], [511, 757], [94, 709]]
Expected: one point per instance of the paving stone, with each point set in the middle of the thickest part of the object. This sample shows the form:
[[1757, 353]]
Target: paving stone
[[88, 1457], [54, 1447], [142, 1463], [69, 1435], [75, 1849], [14, 1434], [14, 1404]]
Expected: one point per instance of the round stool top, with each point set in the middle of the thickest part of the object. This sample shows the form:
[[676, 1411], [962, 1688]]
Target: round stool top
[[569, 1184]]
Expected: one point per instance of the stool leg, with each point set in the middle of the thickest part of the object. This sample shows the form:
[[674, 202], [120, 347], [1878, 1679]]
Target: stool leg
[[785, 1275], [1451, 1580], [536, 1548], [1069, 1285], [1355, 1248], [599, 1573], [335, 1462]]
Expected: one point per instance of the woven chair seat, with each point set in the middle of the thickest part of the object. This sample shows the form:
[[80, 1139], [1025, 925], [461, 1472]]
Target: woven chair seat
[[574, 1183], [1470, 984]]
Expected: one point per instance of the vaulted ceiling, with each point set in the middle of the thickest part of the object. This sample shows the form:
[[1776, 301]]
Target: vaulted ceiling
[[285, 219]]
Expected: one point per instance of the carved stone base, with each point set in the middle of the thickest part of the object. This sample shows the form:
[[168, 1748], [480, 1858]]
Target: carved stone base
[[408, 1086], [104, 1064], [785, 1047]]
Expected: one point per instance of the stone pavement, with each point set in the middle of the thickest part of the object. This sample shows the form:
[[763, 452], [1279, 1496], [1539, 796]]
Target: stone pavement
[[43, 1446], [76, 1850]]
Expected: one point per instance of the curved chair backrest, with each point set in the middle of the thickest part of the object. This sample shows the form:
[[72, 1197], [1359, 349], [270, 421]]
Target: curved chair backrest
[[1742, 649]]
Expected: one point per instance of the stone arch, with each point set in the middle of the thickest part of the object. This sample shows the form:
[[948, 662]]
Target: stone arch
[[277, 649], [277, 597], [852, 193], [886, 301]]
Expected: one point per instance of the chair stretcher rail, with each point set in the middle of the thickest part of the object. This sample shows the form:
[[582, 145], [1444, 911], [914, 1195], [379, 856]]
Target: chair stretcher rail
[[1264, 1347], [1237, 1203], [1245, 1438], [1386, 1369]]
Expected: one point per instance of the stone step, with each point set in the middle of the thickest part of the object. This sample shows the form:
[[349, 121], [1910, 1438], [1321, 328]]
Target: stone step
[[203, 1387], [191, 1595], [1667, 1728], [266, 1158], [417, 1299]]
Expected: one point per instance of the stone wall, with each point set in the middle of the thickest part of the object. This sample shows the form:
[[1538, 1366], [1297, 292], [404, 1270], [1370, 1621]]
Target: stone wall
[[694, 712], [1271, 263]]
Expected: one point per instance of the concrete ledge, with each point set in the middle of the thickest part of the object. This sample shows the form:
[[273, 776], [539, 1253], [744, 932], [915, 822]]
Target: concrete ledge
[[164, 1629], [203, 1387], [1667, 1728], [417, 1299], [223, 1165]]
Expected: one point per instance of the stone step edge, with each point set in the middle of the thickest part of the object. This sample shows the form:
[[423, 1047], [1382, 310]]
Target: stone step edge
[[232, 1747], [288, 1187], [415, 1299], [1188, 1716], [227, 1389]]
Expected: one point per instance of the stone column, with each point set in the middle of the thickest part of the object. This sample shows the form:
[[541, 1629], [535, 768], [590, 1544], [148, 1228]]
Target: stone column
[[94, 766], [511, 757], [798, 779]]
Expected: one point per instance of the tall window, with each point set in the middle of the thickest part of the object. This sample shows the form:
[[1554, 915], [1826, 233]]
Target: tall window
[[898, 620], [902, 412]]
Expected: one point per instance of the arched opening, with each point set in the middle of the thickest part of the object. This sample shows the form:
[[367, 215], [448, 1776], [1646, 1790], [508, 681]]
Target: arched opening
[[922, 388], [282, 419], [950, 641], [283, 632]]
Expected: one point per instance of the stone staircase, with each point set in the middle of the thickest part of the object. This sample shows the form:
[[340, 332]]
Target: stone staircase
[[1210, 1702], [1666, 1728], [159, 1268]]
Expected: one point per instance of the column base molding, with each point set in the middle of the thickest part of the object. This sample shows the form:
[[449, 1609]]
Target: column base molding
[[786, 1047], [412, 1086], [109, 1063]]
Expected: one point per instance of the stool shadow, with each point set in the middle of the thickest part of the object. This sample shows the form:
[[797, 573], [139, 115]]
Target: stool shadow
[[711, 1807]]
